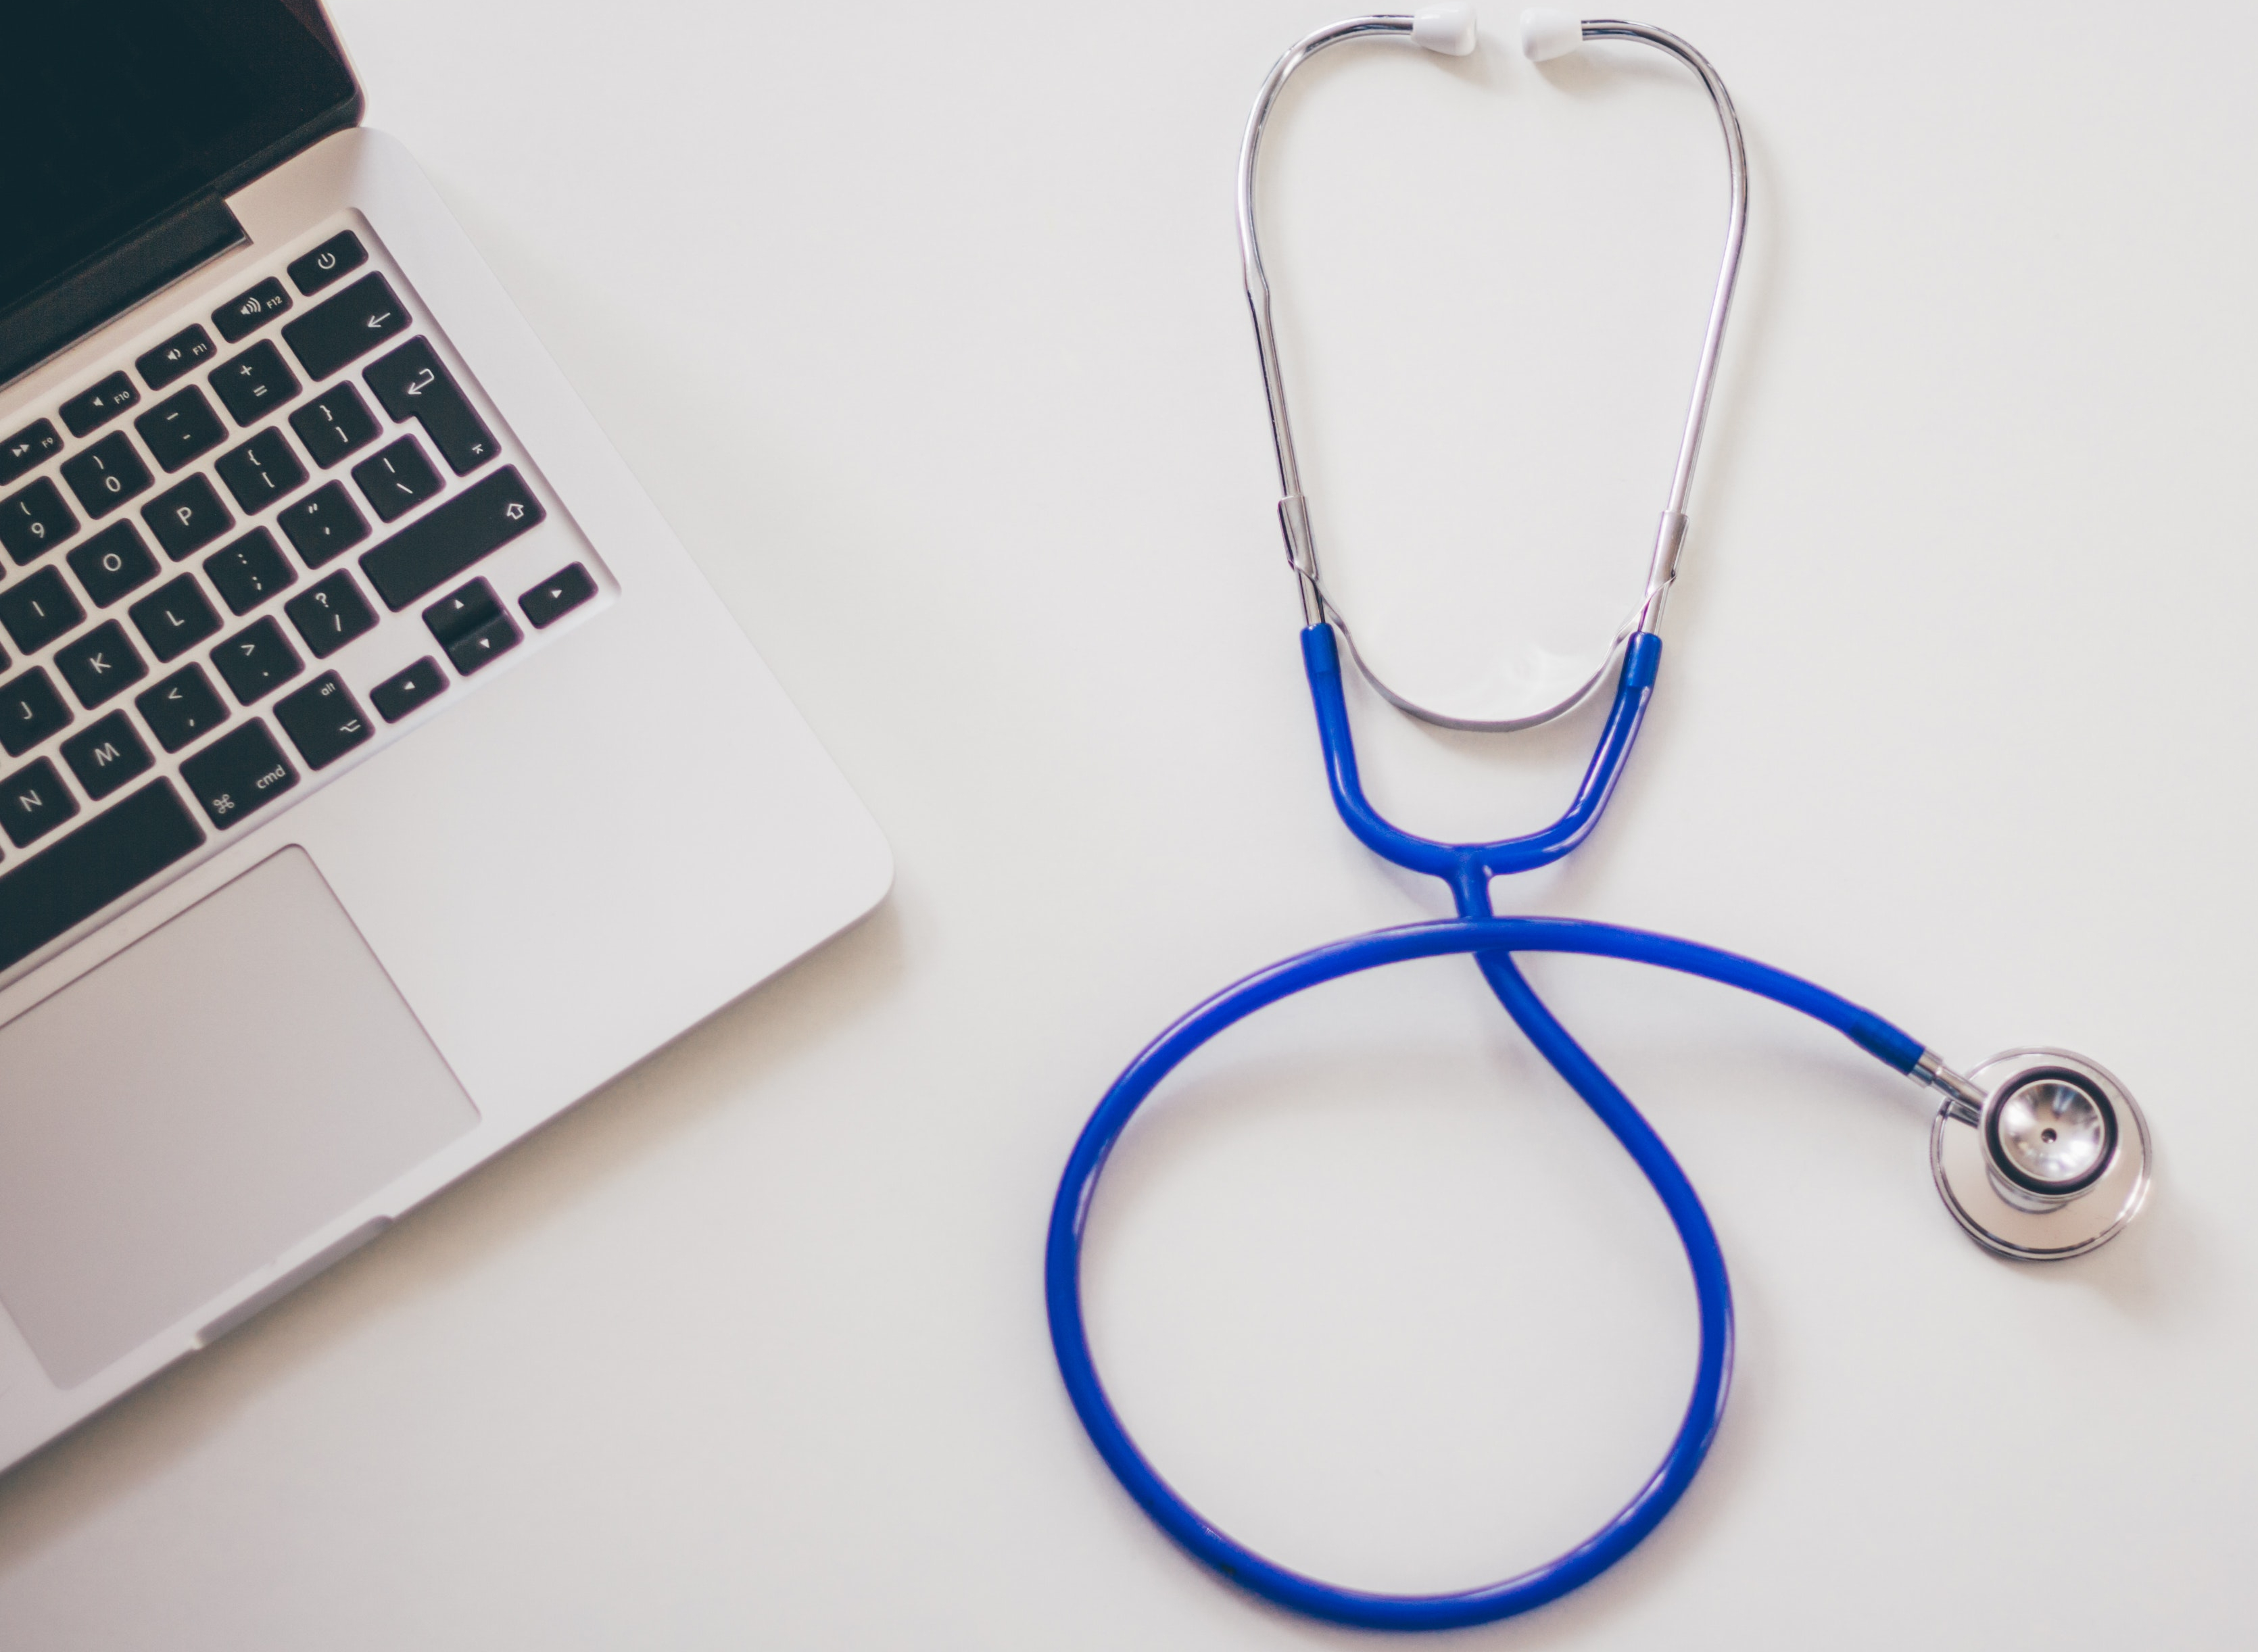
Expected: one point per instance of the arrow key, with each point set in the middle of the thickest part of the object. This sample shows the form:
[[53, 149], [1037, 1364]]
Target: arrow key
[[556, 596], [489, 642]]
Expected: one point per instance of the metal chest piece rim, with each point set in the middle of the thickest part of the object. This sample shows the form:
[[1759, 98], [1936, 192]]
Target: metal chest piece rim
[[2054, 1164]]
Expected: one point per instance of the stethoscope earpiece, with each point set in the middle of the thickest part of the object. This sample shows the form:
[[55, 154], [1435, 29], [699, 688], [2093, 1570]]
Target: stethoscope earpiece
[[2050, 1163]]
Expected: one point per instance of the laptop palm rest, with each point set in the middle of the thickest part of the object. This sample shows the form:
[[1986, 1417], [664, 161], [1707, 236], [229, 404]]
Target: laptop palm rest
[[182, 1115]]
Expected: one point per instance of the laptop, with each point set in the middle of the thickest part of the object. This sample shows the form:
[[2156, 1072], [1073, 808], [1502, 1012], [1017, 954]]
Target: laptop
[[379, 775]]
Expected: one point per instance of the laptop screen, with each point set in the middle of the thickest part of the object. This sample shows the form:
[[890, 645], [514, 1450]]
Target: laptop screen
[[116, 114]]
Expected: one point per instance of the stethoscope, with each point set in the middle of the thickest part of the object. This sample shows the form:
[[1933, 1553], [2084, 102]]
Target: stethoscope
[[2040, 1154]]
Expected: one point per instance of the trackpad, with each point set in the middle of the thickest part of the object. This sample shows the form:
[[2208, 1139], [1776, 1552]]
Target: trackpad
[[194, 1108]]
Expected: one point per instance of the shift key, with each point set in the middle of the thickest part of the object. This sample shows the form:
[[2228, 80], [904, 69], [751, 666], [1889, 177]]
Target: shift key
[[433, 549]]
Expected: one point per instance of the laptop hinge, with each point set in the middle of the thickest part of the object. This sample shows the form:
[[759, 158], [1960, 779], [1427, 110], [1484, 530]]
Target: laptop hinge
[[114, 281]]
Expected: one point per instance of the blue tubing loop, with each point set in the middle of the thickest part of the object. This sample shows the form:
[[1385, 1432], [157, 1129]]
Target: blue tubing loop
[[1493, 941], [1467, 867]]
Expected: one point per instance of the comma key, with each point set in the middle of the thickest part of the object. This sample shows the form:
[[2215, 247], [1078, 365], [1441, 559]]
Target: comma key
[[238, 774]]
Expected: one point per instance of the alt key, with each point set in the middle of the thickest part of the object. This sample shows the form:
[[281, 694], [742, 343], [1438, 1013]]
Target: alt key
[[322, 721]]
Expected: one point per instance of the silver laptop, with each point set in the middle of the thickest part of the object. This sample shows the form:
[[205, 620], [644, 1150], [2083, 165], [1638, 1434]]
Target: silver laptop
[[379, 776]]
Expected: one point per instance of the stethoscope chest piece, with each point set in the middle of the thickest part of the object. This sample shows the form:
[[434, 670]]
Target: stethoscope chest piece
[[2053, 1163]]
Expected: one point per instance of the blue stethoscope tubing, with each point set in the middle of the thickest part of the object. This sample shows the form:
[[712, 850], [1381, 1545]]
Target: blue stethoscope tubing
[[1493, 942]]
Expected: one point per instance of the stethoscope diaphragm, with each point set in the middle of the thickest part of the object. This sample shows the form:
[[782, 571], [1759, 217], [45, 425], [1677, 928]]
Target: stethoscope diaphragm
[[2052, 1164]]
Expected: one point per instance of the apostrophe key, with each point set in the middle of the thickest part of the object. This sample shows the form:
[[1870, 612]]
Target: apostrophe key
[[324, 523]]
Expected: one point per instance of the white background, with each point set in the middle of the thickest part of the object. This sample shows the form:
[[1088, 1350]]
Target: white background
[[922, 326]]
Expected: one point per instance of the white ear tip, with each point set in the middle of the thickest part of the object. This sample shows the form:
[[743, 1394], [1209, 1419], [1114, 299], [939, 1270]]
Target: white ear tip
[[1546, 34], [1447, 29]]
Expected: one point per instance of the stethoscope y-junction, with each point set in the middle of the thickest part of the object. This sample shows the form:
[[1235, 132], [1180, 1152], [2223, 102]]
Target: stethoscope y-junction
[[2039, 1154]]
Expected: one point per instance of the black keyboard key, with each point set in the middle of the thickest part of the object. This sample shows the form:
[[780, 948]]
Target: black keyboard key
[[330, 616], [246, 313], [345, 328], [27, 450], [396, 480], [471, 626], [403, 691], [34, 802], [334, 423], [174, 618], [461, 612], [100, 665], [107, 474], [184, 351], [39, 610], [322, 721], [430, 552], [187, 516], [30, 711], [556, 596], [331, 261], [105, 755], [180, 428], [322, 524], [487, 645], [249, 571], [412, 383], [238, 773], [256, 660], [184, 708], [261, 471], [35, 521], [90, 409], [113, 563], [255, 383], [63, 885]]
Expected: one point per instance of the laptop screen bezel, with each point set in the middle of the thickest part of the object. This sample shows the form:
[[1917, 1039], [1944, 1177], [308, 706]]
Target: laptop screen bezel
[[163, 237]]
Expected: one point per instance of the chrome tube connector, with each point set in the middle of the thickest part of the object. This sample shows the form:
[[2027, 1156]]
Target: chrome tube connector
[[1963, 1100]]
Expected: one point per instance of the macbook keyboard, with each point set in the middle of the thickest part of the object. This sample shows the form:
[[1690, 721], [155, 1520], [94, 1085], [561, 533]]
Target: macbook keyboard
[[279, 534]]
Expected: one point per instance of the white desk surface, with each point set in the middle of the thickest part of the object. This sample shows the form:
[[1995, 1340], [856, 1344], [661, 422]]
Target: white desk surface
[[922, 326]]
